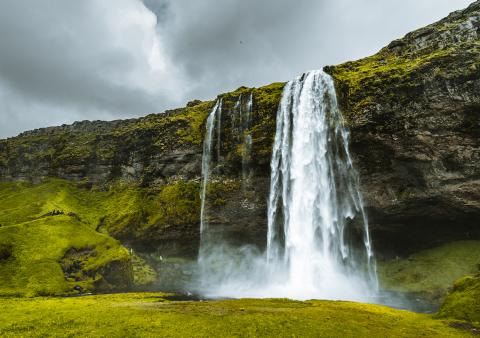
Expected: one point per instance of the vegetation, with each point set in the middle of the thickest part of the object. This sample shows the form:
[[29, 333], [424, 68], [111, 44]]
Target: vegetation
[[133, 211], [33, 251], [463, 301], [140, 315], [399, 71], [262, 126], [267, 100], [433, 270], [49, 238]]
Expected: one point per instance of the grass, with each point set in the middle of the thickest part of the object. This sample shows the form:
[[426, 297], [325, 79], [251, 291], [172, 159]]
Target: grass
[[176, 202], [49, 228], [463, 301], [432, 270], [151, 315], [32, 265]]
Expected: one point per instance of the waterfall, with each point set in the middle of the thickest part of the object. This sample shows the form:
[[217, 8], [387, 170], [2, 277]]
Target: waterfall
[[247, 142], [314, 198], [207, 158], [318, 243]]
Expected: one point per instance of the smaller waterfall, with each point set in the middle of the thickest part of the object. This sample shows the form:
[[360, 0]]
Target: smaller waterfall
[[247, 143], [207, 158], [241, 122], [237, 119]]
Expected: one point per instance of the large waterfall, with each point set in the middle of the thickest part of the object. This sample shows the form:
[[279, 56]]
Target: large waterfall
[[318, 243], [314, 198]]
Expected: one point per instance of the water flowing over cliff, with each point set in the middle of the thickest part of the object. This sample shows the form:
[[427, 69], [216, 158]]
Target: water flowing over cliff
[[312, 249], [313, 194]]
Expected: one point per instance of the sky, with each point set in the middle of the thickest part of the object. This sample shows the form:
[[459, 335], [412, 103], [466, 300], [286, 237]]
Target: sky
[[64, 61]]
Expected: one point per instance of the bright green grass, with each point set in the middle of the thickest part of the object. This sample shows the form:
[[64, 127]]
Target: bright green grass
[[149, 315], [432, 270], [22, 201], [463, 301], [32, 243], [37, 247], [121, 206]]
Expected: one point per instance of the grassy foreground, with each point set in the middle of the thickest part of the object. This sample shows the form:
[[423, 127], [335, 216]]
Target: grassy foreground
[[150, 314]]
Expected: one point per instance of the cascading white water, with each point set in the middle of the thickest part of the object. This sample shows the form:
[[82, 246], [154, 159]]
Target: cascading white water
[[207, 158], [313, 197], [318, 244], [247, 142]]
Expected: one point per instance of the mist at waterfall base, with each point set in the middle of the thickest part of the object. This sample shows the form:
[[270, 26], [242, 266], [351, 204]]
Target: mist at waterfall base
[[313, 249]]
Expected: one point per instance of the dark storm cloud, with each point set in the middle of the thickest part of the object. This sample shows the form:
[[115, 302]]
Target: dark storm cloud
[[228, 43], [62, 61], [88, 59]]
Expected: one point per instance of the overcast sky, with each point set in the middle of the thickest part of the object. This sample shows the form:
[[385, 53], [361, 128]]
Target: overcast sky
[[62, 61]]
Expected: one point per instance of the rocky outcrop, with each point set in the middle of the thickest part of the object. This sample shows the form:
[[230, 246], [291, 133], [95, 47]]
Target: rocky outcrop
[[414, 114], [413, 110], [463, 301]]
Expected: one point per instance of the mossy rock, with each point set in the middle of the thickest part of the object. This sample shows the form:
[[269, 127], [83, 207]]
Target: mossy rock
[[430, 271], [40, 250], [463, 301], [56, 235]]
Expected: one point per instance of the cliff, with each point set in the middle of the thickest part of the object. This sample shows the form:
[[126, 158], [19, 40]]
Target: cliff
[[413, 111]]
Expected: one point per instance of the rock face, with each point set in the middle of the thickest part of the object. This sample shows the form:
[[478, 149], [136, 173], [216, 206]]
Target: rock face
[[414, 114], [413, 111]]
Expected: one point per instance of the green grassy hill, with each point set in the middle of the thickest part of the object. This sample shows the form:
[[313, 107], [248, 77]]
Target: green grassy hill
[[151, 315]]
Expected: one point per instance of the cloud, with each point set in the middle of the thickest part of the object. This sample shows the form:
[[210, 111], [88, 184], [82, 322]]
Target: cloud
[[62, 61], [227, 43], [88, 59]]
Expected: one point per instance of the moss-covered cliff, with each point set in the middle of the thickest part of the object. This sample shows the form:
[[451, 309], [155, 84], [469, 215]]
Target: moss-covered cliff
[[414, 114], [413, 110]]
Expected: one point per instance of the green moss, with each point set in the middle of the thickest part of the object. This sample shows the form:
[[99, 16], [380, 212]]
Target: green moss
[[262, 125], [148, 315], [37, 248], [68, 217], [363, 80], [399, 71], [267, 100], [142, 271], [194, 118], [463, 301], [219, 188], [177, 203], [22, 201], [433, 270]]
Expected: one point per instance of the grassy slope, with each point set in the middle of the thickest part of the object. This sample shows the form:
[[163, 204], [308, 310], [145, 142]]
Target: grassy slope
[[139, 315], [463, 301], [37, 248], [32, 244], [432, 270]]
